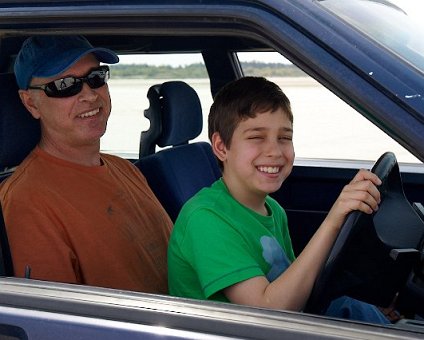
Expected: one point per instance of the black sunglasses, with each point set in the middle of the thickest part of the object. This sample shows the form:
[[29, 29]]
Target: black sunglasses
[[70, 86]]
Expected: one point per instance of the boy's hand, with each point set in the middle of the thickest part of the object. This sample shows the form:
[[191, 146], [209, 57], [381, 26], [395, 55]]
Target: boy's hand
[[360, 194]]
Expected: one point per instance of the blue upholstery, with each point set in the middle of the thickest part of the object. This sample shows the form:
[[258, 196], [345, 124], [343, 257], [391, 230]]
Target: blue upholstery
[[175, 116], [19, 131], [175, 174], [6, 265]]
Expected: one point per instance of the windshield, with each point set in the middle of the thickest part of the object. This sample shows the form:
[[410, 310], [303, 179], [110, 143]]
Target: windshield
[[397, 25]]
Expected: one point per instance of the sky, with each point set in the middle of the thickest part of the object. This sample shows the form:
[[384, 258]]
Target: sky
[[187, 59]]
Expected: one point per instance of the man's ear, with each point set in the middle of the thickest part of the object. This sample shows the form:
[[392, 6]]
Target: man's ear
[[218, 147], [28, 100]]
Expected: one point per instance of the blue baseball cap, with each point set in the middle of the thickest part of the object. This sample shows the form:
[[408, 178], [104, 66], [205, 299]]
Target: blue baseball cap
[[48, 56]]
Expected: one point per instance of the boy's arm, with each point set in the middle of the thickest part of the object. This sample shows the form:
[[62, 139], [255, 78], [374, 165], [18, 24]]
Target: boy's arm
[[291, 289]]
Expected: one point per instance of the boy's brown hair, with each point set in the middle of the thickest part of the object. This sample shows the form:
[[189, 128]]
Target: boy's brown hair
[[242, 99]]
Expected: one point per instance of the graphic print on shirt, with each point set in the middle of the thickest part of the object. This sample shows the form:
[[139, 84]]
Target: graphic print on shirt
[[275, 256]]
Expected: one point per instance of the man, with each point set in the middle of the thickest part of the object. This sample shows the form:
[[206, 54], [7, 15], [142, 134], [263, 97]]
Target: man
[[72, 213]]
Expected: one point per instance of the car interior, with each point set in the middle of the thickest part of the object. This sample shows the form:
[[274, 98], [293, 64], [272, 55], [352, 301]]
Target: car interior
[[176, 168], [175, 117]]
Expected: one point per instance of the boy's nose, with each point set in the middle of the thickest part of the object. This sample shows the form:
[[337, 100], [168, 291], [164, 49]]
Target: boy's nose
[[273, 148]]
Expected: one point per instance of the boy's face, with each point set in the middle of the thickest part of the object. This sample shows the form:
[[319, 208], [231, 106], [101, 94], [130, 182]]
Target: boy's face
[[260, 157]]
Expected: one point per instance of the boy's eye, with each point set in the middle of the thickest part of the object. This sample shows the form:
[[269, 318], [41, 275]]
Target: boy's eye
[[285, 137]]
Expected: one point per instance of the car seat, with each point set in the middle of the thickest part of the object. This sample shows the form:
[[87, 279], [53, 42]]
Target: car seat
[[6, 265], [180, 170], [19, 131]]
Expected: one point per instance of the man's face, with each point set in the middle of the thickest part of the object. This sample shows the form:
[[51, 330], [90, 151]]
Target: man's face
[[75, 121]]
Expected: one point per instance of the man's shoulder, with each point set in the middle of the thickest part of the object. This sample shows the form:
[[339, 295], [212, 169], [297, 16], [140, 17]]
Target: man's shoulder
[[118, 163], [113, 159], [20, 177]]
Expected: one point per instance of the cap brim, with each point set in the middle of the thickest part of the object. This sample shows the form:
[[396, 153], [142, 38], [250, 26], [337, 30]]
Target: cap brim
[[69, 58]]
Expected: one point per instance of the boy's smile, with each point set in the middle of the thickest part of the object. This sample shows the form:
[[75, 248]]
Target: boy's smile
[[259, 158], [269, 169]]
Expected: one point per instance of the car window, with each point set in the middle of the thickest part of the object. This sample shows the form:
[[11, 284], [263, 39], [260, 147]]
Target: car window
[[129, 83], [325, 127], [395, 24]]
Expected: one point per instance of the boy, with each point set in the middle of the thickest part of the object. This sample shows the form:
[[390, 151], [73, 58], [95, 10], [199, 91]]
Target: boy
[[231, 241]]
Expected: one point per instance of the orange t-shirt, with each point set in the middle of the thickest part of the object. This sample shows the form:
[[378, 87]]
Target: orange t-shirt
[[100, 226]]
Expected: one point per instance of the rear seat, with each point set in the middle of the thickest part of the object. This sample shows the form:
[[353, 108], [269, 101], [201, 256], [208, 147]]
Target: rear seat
[[19, 133], [178, 172]]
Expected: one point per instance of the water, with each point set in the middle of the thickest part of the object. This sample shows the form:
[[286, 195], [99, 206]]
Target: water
[[324, 126]]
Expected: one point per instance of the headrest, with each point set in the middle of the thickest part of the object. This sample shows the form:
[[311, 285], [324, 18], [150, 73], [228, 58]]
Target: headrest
[[19, 131], [181, 116]]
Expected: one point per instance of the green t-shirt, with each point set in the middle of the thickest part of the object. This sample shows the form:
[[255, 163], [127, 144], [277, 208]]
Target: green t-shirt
[[217, 242]]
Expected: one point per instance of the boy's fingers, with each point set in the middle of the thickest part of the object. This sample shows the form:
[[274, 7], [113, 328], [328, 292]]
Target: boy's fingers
[[365, 188], [360, 194], [366, 175], [360, 200]]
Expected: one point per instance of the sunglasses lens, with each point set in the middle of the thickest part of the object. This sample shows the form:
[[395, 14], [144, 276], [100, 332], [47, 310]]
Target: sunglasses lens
[[70, 86], [65, 87], [97, 78]]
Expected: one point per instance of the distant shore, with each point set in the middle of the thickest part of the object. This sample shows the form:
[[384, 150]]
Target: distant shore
[[325, 126]]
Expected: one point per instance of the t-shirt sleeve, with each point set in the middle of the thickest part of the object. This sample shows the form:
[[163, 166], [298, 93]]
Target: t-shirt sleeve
[[217, 252]]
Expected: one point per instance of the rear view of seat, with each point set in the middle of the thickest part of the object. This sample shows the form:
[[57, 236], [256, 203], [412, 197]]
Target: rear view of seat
[[178, 172], [19, 133]]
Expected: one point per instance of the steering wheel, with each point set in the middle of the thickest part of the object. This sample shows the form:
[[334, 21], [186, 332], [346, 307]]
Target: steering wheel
[[373, 255]]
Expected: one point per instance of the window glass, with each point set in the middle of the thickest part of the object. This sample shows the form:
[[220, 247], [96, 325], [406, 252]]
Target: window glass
[[325, 127], [396, 24], [130, 81]]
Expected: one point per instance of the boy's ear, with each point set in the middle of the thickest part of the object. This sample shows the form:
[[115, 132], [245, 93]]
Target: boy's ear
[[29, 102], [218, 147]]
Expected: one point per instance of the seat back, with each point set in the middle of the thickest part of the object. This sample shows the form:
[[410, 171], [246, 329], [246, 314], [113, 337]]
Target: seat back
[[178, 172], [6, 265], [19, 131]]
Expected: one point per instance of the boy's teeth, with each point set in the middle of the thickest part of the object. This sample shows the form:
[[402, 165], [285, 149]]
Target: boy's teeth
[[269, 169], [89, 114]]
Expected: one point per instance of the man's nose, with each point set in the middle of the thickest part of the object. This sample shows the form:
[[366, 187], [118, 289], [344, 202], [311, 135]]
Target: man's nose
[[87, 93]]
